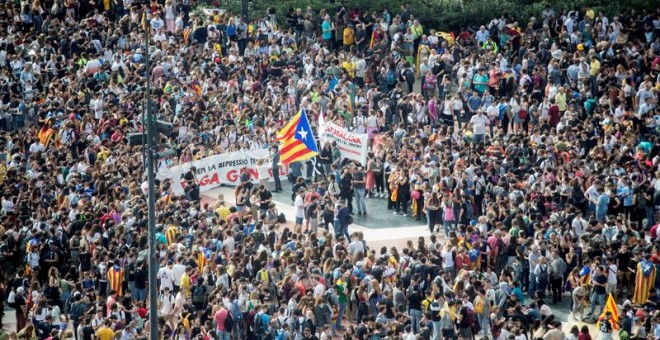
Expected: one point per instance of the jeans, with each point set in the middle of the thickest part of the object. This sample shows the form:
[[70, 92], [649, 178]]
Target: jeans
[[224, 335], [140, 294], [340, 314], [359, 200], [484, 322], [373, 307], [600, 299], [532, 284], [650, 217], [448, 227], [416, 316], [478, 138], [359, 315], [437, 331], [432, 218]]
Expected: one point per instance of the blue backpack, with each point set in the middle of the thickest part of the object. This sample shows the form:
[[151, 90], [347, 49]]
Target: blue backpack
[[390, 77]]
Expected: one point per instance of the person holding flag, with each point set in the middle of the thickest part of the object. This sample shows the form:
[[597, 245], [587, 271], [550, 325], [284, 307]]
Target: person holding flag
[[606, 324], [585, 273], [644, 280]]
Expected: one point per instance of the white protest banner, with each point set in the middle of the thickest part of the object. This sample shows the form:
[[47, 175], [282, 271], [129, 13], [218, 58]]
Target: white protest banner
[[351, 145], [224, 169]]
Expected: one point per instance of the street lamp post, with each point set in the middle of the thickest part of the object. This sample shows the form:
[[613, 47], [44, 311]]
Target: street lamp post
[[151, 199]]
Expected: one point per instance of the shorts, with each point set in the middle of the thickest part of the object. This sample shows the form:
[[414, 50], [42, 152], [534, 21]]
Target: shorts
[[299, 220]]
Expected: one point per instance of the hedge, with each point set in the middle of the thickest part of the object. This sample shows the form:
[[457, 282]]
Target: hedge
[[447, 14]]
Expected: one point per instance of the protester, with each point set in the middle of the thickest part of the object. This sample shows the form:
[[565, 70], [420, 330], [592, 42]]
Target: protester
[[534, 146]]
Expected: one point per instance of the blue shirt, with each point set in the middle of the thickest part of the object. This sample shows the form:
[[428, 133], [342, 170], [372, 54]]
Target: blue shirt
[[603, 201], [326, 28], [626, 194]]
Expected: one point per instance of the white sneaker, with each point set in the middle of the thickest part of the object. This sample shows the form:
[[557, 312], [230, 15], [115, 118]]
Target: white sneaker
[[394, 213], [404, 215]]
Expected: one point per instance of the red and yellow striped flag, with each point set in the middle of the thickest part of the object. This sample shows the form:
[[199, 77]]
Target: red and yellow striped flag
[[610, 306], [115, 278], [297, 140]]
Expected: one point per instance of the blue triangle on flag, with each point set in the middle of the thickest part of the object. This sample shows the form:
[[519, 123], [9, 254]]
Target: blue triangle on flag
[[304, 133]]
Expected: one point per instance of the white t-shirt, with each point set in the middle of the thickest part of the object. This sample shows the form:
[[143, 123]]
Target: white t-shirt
[[447, 259], [299, 206], [178, 270], [166, 304], [611, 274], [479, 123], [166, 278]]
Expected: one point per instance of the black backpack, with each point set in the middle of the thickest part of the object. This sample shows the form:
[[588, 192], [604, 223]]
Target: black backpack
[[229, 322], [199, 294], [543, 275]]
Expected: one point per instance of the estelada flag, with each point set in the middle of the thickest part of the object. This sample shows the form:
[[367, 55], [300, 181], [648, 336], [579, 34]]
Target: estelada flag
[[585, 276], [297, 140], [610, 306]]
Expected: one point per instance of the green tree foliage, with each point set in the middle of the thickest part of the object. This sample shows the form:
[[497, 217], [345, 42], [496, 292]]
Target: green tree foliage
[[448, 14]]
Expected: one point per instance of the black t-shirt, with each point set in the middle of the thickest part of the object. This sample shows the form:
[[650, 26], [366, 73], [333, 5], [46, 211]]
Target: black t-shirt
[[345, 182], [359, 176], [87, 332], [602, 279], [141, 279], [264, 196], [85, 260], [415, 301], [624, 261]]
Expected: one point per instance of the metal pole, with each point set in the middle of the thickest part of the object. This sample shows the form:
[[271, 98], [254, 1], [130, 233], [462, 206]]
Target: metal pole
[[245, 5], [151, 200]]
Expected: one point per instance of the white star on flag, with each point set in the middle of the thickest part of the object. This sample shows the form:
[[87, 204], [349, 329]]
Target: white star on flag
[[303, 133]]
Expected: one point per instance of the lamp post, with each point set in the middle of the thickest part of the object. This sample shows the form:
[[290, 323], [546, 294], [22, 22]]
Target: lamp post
[[151, 198]]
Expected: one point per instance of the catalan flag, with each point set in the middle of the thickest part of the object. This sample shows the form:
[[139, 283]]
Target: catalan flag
[[448, 36], [585, 276], [201, 260], [644, 281], [171, 234], [610, 306], [426, 50], [115, 279], [375, 37], [46, 134], [297, 140]]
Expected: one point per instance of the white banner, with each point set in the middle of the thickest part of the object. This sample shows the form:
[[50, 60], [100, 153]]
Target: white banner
[[351, 145], [224, 169]]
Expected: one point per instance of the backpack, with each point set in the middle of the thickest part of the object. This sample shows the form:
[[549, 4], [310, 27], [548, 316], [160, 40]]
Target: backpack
[[543, 275], [258, 321], [472, 320], [185, 321], [229, 323], [199, 294], [281, 218], [390, 77], [236, 313]]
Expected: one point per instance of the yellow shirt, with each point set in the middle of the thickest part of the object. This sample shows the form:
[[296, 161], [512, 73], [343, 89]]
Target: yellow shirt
[[560, 100], [105, 333], [185, 284], [590, 14], [417, 31], [349, 36], [223, 212], [594, 67], [349, 66]]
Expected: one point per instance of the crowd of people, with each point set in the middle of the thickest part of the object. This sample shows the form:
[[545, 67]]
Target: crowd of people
[[531, 152]]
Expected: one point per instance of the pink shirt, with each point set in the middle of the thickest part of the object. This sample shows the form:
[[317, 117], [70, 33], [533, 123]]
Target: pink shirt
[[220, 317]]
